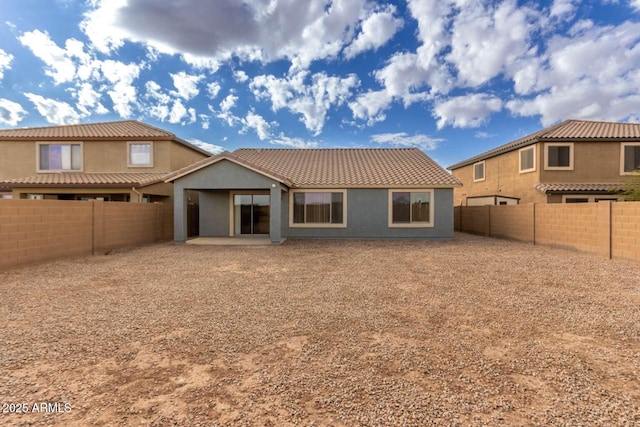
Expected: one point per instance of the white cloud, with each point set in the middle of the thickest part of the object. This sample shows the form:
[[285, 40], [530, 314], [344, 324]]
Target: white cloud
[[370, 106], [404, 140], [635, 4], [186, 85], [5, 62], [466, 111], [259, 124], [59, 65], [592, 75], [563, 8], [240, 76], [293, 142], [178, 112], [123, 92], [228, 103], [299, 31], [488, 41], [89, 77], [312, 101], [89, 100], [377, 29], [211, 148], [213, 88], [484, 135], [11, 113], [55, 112]]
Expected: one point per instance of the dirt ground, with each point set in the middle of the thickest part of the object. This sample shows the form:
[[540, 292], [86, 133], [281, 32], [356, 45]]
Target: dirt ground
[[323, 333]]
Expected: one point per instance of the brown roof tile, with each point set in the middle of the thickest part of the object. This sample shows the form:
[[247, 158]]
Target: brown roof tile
[[121, 130], [81, 179], [569, 130], [326, 168], [128, 129], [577, 187]]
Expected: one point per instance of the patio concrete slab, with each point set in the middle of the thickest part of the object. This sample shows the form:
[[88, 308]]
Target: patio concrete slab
[[230, 241]]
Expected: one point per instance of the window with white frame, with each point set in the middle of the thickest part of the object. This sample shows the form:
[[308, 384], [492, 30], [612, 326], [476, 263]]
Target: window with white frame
[[410, 208], [630, 157], [558, 156], [527, 159], [140, 154], [478, 171], [318, 208], [59, 157]]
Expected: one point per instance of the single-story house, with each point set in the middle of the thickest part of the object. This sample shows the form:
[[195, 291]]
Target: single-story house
[[316, 193]]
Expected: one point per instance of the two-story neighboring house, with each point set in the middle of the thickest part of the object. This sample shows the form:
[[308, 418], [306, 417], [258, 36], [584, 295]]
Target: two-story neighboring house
[[112, 161], [570, 162]]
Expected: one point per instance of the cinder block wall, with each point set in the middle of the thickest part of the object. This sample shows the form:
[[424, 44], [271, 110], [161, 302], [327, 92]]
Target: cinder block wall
[[41, 230], [604, 228], [34, 230], [568, 225], [475, 219], [131, 224], [625, 230], [512, 222]]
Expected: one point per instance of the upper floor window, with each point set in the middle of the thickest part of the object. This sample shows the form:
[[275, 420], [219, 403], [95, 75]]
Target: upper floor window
[[326, 208], [527, 159], [59, 157], [630, 157], [478, 171], [558, 156], [410, 208], [140, 154]]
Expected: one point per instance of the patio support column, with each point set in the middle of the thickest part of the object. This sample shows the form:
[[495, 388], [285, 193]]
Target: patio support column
[[179, 214], [275, 214]]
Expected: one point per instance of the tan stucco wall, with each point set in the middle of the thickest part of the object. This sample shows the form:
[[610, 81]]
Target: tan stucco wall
[[18, 158], [502, 178], [182, 156], [594, 162]]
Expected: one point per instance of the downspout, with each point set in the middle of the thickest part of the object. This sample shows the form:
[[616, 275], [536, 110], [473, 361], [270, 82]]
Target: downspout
[[138, 193]]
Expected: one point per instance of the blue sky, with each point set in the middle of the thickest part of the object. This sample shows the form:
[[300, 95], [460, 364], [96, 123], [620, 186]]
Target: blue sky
[[451, 77]]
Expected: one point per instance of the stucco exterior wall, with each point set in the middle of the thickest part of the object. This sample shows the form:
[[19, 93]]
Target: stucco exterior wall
[[597, 162], [367, 218], [19, 158], [214, 213], [502, 178], [593, 162], [223, 175]]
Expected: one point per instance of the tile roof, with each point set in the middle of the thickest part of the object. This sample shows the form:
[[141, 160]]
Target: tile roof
[[81, 179], [577, 187], [325, 168], [120, 130], [569, 130]]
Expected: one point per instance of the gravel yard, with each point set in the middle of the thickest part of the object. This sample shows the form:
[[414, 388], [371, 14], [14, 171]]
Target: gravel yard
[[471, 332]]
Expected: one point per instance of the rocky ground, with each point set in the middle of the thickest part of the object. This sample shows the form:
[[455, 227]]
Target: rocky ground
[[327, 333]]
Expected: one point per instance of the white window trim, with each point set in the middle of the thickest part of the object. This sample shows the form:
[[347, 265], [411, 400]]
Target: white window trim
[[484, 171], [546, 156], [316, 224], [131, 165], [39, 143], [532, 169], [622, 145], [429, 224]]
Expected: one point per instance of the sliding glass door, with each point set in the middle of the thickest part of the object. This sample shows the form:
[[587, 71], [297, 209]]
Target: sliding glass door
[[251, 214]]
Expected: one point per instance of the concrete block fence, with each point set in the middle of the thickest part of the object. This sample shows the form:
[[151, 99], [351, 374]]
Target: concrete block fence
[[609, 229], [41, 230]]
